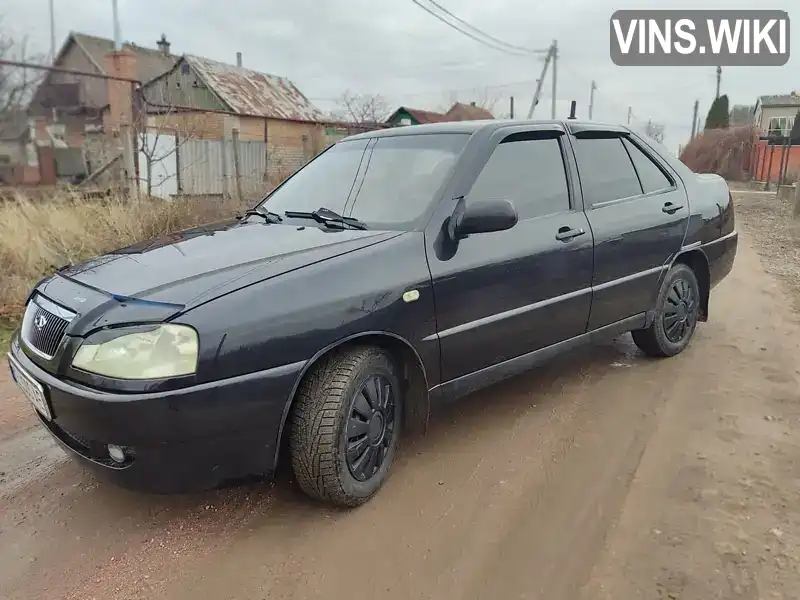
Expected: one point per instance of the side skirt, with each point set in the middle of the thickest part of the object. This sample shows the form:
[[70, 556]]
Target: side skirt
[[467, 384]]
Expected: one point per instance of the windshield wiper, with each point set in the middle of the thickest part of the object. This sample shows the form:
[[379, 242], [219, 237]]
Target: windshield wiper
[[269, 217], [327, 217]]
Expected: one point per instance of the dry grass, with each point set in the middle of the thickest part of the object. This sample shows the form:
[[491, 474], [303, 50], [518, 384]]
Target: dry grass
[[36, 237], [725, 152]]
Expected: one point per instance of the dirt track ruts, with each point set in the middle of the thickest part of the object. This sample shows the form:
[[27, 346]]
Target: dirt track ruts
[[602, 475]]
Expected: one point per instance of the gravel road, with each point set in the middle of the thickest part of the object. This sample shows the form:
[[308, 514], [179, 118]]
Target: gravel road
[[603, 475]]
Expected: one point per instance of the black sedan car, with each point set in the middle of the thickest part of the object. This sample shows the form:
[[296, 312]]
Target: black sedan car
[[398, 270]]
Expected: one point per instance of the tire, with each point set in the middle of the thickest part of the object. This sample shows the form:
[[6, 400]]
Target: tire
[[336, 407], [676, 312]]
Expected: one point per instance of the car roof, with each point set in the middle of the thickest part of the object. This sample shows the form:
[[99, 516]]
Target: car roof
[[470, 127]]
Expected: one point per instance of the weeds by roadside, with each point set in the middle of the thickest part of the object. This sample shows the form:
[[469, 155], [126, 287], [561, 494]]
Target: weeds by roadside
[[37, 237], [7, 327]]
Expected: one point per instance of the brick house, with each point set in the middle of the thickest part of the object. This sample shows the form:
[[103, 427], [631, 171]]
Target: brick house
[[80, 114], [206, 99], [72, 113]]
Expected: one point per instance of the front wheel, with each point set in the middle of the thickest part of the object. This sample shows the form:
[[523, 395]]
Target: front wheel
[[677, 310], [346, 425]]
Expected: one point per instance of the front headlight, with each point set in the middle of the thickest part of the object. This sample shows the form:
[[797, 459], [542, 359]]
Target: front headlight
[[154, 353]]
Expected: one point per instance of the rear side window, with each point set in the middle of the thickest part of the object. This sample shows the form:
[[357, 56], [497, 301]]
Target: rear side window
[[530, 173], [606, 170], [651, 176]]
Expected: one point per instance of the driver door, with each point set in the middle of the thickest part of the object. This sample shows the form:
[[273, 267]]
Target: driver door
[[505, 294]]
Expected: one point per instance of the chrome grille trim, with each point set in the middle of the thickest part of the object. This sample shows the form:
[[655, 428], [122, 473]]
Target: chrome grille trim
[[44, 340]]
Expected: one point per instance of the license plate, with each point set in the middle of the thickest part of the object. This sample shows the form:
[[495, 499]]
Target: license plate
[[31, 388]]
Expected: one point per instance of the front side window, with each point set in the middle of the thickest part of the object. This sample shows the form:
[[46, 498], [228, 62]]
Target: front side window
[[530, 173], [606, 170], [400, 179]]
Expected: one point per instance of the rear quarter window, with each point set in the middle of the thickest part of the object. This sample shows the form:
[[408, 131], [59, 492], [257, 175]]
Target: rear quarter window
[[650, 174]]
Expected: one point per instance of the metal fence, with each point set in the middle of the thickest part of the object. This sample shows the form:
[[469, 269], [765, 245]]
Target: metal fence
[[169, 166], [230, 167]]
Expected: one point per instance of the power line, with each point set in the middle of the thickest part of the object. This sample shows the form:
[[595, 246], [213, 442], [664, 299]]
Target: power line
[[483, 33], [492, 45]]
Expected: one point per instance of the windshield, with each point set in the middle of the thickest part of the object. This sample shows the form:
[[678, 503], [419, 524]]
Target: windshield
[[388, 187]]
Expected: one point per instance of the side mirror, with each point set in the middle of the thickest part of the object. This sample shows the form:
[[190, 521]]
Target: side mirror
[[482, 217]]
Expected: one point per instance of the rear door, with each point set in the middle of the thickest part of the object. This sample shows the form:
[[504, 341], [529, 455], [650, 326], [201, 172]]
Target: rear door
[[638, 213], [500, 295]]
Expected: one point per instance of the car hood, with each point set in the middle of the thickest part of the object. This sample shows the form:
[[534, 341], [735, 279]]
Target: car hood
[[164, 276]]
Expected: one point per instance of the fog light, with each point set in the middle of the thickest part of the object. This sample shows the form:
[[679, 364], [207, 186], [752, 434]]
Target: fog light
[[116, 453]]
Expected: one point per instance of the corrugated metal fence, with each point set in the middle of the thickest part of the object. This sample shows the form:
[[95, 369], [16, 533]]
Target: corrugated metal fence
[[200, 167], [169, 165]]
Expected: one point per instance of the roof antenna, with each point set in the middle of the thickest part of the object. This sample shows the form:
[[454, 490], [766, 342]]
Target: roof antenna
[[572, 107]]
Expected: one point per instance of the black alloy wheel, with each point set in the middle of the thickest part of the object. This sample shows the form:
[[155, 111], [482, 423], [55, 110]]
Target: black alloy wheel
[[677, 312], [680, 310], [370, 427]]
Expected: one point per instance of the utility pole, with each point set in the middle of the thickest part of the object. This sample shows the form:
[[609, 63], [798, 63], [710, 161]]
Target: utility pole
[[52, 32], [551, 51], [591, 98], [512, 107], [117, 32], [555, 73], [630, 114], [719, 79], [694, 119]]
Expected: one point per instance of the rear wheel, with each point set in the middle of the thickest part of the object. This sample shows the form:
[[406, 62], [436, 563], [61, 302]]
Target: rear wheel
[[677, 310], [346, 426]]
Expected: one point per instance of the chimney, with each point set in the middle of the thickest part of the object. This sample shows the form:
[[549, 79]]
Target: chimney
[[163, 45], [238, 59]]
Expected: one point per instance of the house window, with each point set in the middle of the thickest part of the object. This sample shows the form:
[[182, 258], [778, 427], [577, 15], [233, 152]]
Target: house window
[[405, 121], [780, 126]]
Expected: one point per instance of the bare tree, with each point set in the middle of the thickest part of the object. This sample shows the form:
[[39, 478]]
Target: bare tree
[[481, 97], [486, 99], [160, 138], [655, 131], [17, 84], [161, 131], [361, 108]]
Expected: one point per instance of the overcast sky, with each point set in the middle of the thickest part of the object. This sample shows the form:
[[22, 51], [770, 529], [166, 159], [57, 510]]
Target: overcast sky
[[394, 48]]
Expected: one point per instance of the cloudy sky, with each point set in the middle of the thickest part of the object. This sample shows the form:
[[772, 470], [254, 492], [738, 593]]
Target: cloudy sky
[[395, 49]]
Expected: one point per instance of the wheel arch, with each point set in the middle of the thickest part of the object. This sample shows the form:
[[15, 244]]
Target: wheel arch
[[697, 261], [413, 378]]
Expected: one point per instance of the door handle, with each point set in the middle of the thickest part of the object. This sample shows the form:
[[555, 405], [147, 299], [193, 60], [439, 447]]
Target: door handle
[[671, 208], [565, 234]]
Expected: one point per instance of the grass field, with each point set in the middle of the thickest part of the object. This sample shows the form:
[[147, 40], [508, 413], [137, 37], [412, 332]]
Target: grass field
[[7, 327], [36, 237]]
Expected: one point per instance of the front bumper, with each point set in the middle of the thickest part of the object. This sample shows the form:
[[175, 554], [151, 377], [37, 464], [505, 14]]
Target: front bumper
[[184, 440]]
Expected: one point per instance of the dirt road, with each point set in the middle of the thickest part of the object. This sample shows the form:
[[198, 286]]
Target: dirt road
[[601, 476]]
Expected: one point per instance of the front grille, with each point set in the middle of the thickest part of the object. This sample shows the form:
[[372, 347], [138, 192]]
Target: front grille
[[43, 329]]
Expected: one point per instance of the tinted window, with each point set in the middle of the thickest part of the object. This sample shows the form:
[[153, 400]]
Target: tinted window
[[651, 176], [606, 170], [529, 173], [403, 177]]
